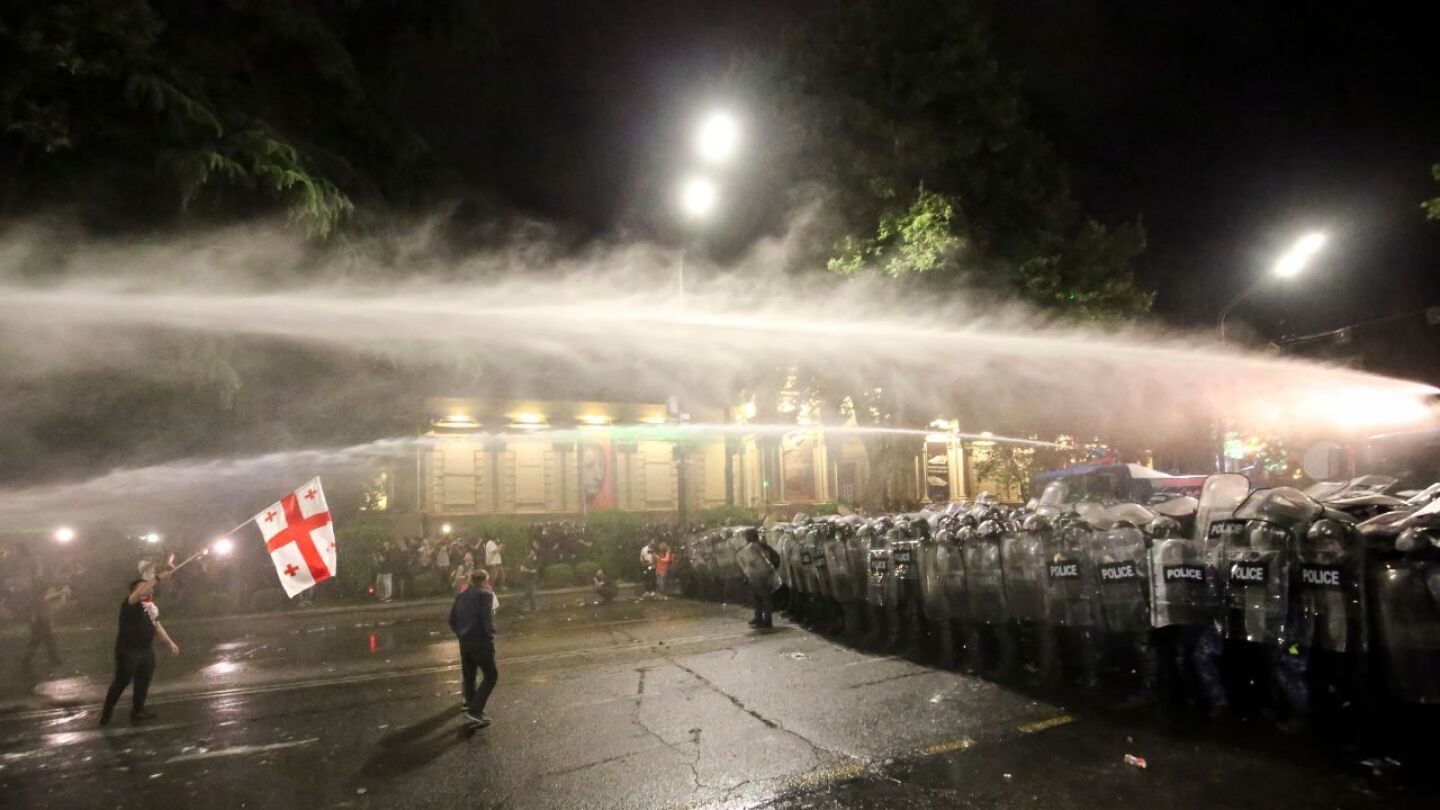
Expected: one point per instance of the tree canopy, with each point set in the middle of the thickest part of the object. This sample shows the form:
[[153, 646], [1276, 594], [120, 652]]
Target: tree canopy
[[157, 107], [936, 174]]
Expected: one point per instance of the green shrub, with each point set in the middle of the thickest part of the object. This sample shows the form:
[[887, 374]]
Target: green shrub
[[268, 600], [727, 515], [558, 575], [516, 533], [356, 542], [585, 571], [616, 538], [820, 509], [431, 583]]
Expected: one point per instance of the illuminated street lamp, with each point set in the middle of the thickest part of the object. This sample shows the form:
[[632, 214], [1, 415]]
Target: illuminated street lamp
[[718, 137], [1290, 264], [698, 196], [1298, 257], [223, 546], [445, 528], [152, 538], [64, 534]]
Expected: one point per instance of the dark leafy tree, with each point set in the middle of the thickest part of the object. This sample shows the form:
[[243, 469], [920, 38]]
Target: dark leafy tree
[[156, 109], [937, 175]]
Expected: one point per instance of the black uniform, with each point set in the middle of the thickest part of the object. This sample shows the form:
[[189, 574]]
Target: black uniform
[[764, 596], [134, 658], [472, 620]]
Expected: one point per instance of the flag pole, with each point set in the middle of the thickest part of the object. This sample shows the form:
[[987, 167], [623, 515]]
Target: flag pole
[[204, 551]]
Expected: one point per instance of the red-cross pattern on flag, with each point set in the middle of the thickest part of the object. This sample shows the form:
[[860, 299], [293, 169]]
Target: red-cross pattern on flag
[[300, 537]]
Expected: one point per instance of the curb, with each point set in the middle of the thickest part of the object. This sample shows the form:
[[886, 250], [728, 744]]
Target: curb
[[545, 600]]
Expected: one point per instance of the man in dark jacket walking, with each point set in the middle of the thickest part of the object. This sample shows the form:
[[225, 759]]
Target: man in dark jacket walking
[[472, 618]]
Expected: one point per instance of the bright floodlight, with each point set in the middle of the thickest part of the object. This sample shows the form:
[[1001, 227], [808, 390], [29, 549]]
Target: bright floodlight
[[717, 137], [1298, 257], [445, 528], [152, 538], [698, 197], [64, 534], [223, 546]]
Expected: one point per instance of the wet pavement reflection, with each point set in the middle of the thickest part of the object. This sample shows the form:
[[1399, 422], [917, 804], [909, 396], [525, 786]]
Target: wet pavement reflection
[[631, 705]]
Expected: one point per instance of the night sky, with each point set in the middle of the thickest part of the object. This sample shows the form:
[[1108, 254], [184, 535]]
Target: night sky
[[1227, 128]]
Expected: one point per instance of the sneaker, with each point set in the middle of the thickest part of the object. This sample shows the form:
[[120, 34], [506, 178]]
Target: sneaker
[[142, 715], [479, 721]]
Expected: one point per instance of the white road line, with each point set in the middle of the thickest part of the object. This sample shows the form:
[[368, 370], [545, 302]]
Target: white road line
[[239, 750]]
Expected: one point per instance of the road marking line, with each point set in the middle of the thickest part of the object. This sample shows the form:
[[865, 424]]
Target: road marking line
[[1041, 725], [827, 775], [239, 750], [946, 747]]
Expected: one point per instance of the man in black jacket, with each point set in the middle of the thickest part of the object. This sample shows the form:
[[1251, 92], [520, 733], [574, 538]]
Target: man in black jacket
[[134, 648], [472, 618]]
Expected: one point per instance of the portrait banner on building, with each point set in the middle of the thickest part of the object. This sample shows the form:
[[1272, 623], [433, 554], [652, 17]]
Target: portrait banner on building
[[597, 472]]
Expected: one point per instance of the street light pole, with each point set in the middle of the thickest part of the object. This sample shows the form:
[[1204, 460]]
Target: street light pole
[[1290, 264], [1225, 313]]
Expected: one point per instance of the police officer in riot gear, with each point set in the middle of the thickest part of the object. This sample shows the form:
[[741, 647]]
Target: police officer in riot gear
[[1120, 564], [1332, 622], [1253, 554], [845, 558], [905, 540], [879, 583], [990, 646], [758, 562], [939, 560]]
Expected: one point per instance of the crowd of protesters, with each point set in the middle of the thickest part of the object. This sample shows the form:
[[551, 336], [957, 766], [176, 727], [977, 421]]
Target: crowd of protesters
[[455, 558]]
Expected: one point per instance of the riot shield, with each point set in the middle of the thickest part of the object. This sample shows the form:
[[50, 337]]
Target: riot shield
[[735, 538], [905, 559], [820, 538], [1407, 606], [699, 560], [779, 536], [725, 547], [1249, 557], [1258, 563], [1122, 576], [881, 576], [1069, 577], [799, 561], [1220, 496], [857, 557], [984, 577], [759, 573], [936, 561], [1182, 584], [1330, 585], [837, 564], [953, 554], [1023, 558]]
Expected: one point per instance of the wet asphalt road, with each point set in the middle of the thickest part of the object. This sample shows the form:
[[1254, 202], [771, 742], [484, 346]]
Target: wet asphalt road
[[632, 705]]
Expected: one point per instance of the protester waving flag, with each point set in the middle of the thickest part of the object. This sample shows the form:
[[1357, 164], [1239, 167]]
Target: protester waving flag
[[300, 537]]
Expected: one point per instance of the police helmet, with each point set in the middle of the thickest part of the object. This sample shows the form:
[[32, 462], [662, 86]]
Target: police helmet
[[1326, 534], [1035, 523], [1163, 528]]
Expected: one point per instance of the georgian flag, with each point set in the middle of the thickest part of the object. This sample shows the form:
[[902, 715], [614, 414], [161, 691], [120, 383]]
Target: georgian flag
[[300, 537]]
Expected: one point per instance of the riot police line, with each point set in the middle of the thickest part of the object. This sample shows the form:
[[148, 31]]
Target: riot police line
[[1324, 603]]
